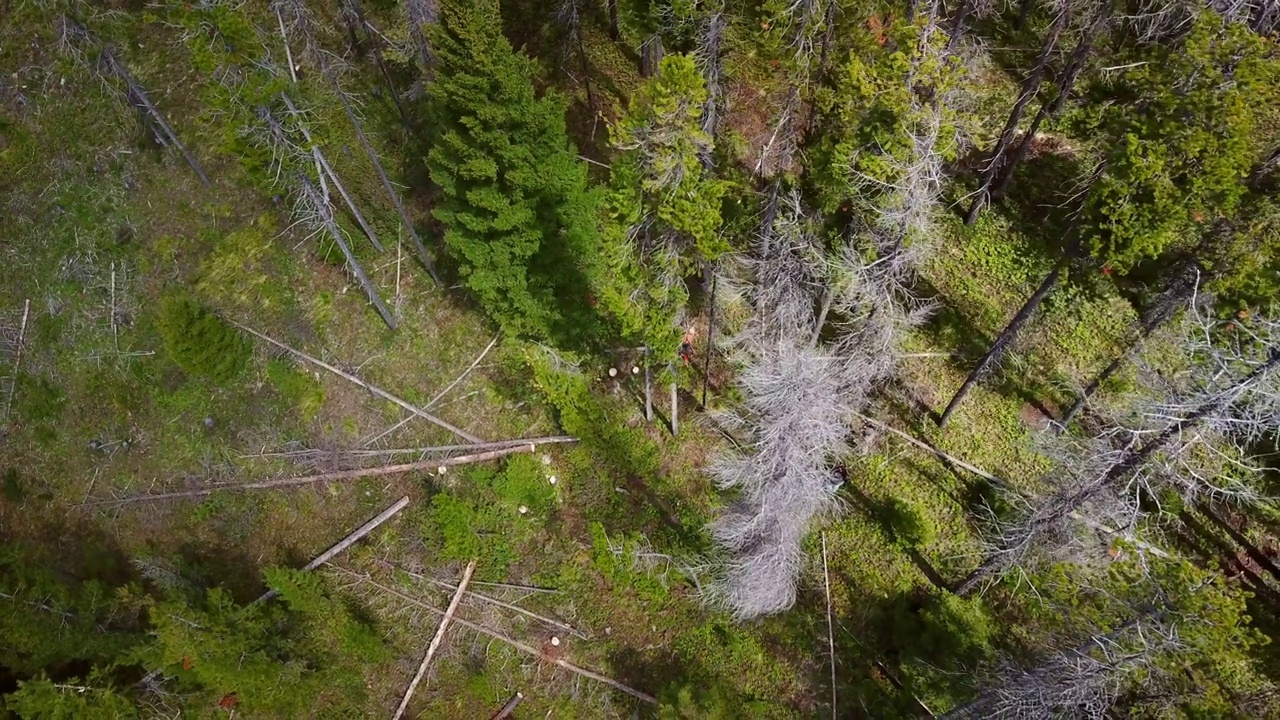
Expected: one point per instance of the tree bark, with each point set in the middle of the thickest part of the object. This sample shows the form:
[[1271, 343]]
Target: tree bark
[[651, 52], [993, 356], [347, 541], [1024, 12], [418, 248], [959, 24], [1065, 504], [1236, 536], [1030, 89], [326, 215], [611, 7]]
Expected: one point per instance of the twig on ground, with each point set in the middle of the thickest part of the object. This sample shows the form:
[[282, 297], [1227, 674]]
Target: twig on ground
[[17, 360], [499, 636], [435, 641], [464, 374], [515, 608]]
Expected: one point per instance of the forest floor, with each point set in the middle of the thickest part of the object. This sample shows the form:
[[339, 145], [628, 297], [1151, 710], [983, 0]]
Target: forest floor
[[98, 223]]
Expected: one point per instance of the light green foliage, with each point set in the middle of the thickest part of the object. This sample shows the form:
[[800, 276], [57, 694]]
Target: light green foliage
[[906, 524], [42, 699], [303, 390], [239, 272], [468, 530], [674, 20], [1249, 274], [198, 341], [1178, 141], [665, 210], [697, 701], [617, 559], [518, 216], [875, 106], [327, 626], [524, 482]]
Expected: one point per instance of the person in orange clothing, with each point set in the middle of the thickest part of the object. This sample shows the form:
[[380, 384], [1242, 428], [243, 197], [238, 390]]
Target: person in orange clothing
[[686, 345]]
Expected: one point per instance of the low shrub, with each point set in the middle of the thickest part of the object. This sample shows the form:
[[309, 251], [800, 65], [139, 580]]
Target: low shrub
[[198, 341]]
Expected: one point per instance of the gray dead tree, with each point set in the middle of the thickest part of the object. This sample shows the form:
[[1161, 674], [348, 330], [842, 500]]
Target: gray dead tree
[[422, 14], [795, 400], [1192, 435]]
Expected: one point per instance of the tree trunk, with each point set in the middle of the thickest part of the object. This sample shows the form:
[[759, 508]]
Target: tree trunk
[[959, 24], [1007, 336], [1253, 551], [611, 6], [1050, 108], [1024, 12], [1030, 89], [651, 52], [1160, 312]]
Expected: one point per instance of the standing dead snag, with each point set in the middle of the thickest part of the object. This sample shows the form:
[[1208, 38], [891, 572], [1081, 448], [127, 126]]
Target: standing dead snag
[[347, 541], [435, 641]]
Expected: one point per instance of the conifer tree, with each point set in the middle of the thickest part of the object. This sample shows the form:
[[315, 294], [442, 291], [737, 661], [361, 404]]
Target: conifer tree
[[1178, 152], [519, 218], [665, 206]]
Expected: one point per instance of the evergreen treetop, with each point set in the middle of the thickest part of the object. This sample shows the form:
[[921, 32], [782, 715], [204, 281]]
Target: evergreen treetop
[[518, 216]]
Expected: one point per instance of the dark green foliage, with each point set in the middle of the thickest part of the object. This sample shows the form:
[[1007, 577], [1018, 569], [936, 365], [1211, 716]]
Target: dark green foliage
[[284, 660], [48, 622], [198, 341], [518, 216], [11, 486], [1180, 131], [943, 630], [75, 699], [466, 529]]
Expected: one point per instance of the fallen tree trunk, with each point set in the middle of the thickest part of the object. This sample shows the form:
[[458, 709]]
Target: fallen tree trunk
[[513, 643], [371, 388], [435, 641], [424, 466], [347, 541]]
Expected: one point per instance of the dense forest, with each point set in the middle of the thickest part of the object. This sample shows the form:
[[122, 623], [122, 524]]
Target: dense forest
[[639, 358]]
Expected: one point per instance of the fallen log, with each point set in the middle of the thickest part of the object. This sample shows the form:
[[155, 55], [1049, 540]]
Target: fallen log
[[425, 466], [435, 641], [347, 541]]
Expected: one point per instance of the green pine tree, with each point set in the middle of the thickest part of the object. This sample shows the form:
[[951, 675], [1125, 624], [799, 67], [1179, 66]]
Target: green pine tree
[[1179, 141], [666, 208], [519, 218]]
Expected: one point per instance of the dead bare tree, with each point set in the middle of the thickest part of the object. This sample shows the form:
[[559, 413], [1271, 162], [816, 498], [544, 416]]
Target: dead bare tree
[[1198, 422]]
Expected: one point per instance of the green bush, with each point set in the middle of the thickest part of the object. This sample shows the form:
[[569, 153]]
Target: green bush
[[467, 530], [198, 341], [38, 400], [296, 386], [524, 482]]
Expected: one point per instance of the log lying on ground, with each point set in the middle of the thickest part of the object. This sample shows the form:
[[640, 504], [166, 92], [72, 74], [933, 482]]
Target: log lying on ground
[[320, 205], [435, 641], [333, 176], [347, 541], [425, 466], [418, 247], [318, 453], [111, 65], [371, 388], [499, 636]]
